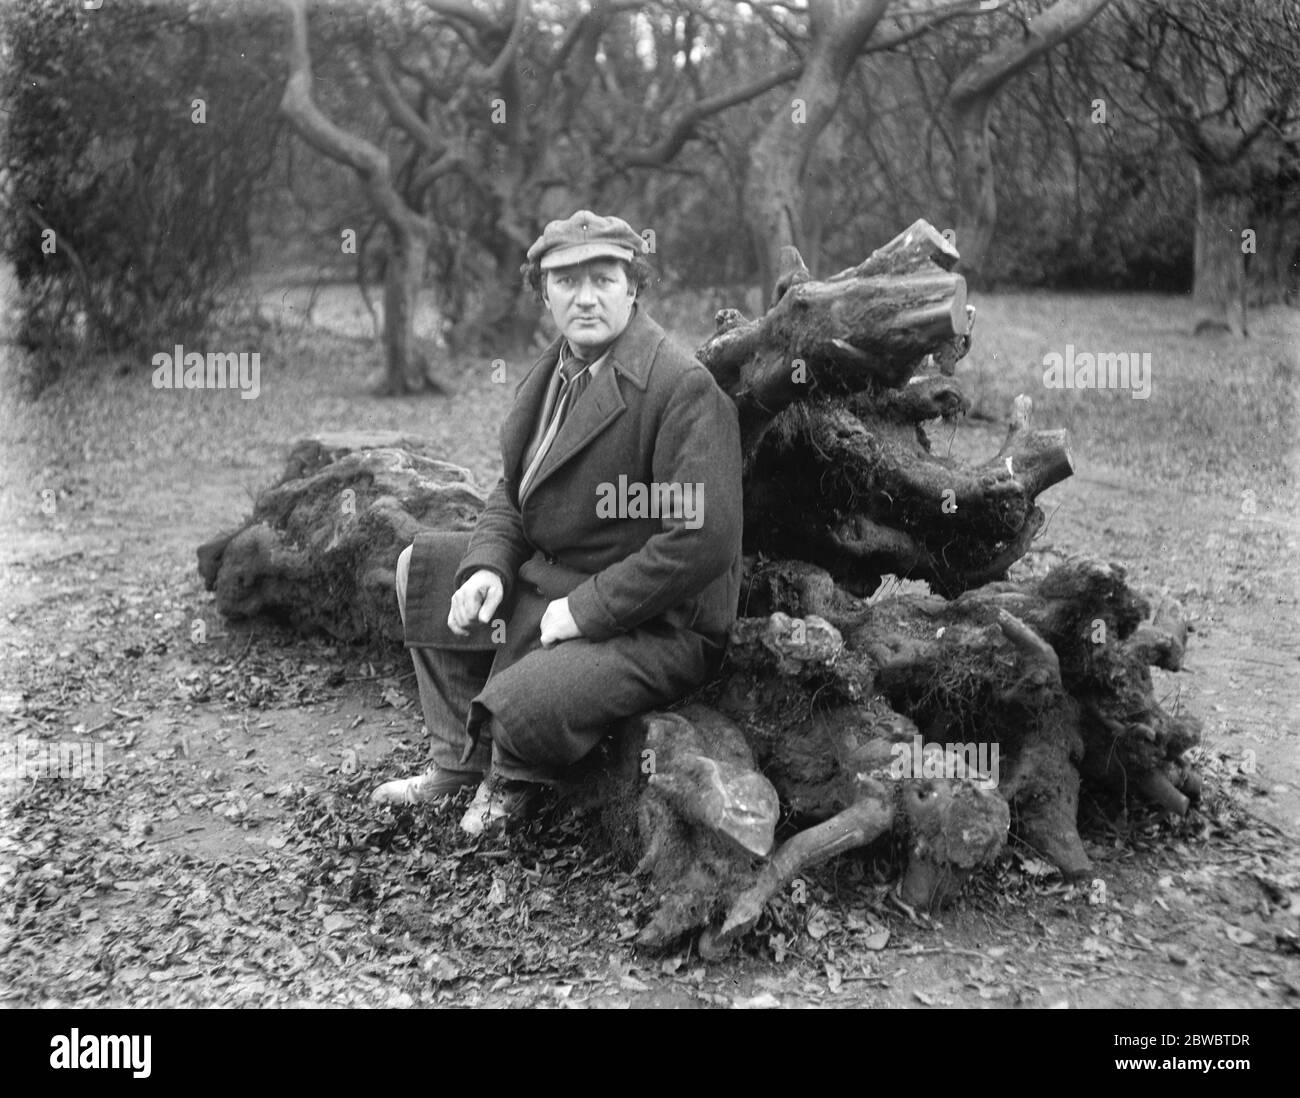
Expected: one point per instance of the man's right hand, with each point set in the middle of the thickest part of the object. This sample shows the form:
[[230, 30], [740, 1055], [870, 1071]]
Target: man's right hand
[[478, 597]]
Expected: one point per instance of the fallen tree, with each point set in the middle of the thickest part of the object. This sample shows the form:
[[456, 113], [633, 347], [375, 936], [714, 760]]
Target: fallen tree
[[937, 722]]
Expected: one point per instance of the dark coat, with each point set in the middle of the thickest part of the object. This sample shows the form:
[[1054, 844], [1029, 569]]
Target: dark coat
[[653, 598]]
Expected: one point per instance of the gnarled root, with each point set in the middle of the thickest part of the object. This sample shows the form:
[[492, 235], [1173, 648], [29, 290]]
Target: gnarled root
[[861, 823], [953, 827]]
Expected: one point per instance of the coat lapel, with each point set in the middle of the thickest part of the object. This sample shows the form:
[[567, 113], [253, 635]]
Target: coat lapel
[[601, 404], [517, 428]]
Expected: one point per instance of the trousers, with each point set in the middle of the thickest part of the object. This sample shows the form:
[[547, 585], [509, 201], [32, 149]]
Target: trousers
[[542, 735], [449, 680]]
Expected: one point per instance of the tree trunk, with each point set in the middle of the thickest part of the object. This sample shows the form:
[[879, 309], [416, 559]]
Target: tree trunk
[[773, 186], [971, 100], [406, 368], [500, 317], [1273, 269], [341, 513], [977, 202], [1273, 272], [1219, 289], [409, 232]]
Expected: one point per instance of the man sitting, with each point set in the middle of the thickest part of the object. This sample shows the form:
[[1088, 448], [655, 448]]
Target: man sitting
[[603, 573]]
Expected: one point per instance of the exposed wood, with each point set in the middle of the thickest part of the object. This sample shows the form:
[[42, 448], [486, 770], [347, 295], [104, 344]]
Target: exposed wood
[[868, 325]]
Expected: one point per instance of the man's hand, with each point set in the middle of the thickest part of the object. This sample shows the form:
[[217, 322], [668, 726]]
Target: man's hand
[[479, 596], [558, 624]]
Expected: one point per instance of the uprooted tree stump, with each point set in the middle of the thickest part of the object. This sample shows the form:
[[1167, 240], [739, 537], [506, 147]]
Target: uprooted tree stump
[[938, 722]]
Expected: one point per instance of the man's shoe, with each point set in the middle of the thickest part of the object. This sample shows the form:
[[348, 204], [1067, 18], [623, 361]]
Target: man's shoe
[[500, 799], [426, 788]]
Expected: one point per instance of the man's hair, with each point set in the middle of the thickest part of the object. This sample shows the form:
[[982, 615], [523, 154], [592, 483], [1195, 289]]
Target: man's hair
[[638, 270]]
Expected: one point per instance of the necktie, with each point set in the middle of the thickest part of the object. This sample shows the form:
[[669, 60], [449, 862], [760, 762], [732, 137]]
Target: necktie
[[575, 374]]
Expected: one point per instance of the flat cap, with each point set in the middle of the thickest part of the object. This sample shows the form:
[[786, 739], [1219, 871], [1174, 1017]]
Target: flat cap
[[584, 236]]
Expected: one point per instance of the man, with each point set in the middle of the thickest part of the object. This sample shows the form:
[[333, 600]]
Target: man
[[604, 571]]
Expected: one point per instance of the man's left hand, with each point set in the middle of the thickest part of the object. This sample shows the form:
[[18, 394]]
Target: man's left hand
[[558, 624]]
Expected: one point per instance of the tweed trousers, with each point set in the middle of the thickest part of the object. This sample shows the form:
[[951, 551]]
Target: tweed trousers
[[449, 680], [467, 732]]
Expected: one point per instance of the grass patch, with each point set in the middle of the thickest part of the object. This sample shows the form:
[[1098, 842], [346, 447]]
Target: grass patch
[[1222, 412]]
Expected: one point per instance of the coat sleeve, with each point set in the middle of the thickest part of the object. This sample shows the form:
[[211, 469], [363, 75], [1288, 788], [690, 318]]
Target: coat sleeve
[[698, 443], [498, 541]]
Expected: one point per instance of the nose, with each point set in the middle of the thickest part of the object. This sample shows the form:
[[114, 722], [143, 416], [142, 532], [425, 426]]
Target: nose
[[586, 295]]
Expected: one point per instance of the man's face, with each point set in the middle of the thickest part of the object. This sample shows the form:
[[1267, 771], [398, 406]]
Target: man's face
[[590, 302]]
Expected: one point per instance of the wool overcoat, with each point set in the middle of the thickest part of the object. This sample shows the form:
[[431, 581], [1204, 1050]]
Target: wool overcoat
[[635, 515]]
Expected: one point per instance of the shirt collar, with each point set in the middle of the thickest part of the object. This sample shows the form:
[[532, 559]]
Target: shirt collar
[[567, 355]]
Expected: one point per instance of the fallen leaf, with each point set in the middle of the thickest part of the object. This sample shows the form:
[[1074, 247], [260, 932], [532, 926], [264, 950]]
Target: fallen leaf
[[877, 939], [1240, 935], [441, 969], [764, 1000], [1035, 867], [818, 925], [393, 698]]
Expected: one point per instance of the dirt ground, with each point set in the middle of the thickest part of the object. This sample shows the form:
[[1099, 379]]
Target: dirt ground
[[230, 857]]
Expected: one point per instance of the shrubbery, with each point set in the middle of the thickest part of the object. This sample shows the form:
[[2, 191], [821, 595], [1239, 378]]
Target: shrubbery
[[126, 202]]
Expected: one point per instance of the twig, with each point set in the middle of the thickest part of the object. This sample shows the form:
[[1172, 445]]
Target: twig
[[239, 658], [919, 952]]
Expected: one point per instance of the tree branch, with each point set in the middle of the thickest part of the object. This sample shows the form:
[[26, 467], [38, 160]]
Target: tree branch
[[1045, 31], [312, 125], [667, 147], [878, 43]]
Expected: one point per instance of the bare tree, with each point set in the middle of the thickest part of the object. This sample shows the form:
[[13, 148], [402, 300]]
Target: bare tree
[[971, 100], [409, 231], [1227, 81], [499, 120], [839, 32]]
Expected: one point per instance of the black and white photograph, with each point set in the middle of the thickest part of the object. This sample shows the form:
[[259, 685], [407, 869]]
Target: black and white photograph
[[653, 504]]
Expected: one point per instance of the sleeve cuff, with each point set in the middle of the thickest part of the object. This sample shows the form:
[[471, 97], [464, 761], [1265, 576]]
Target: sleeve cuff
[[467, 569], [590, 615]]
